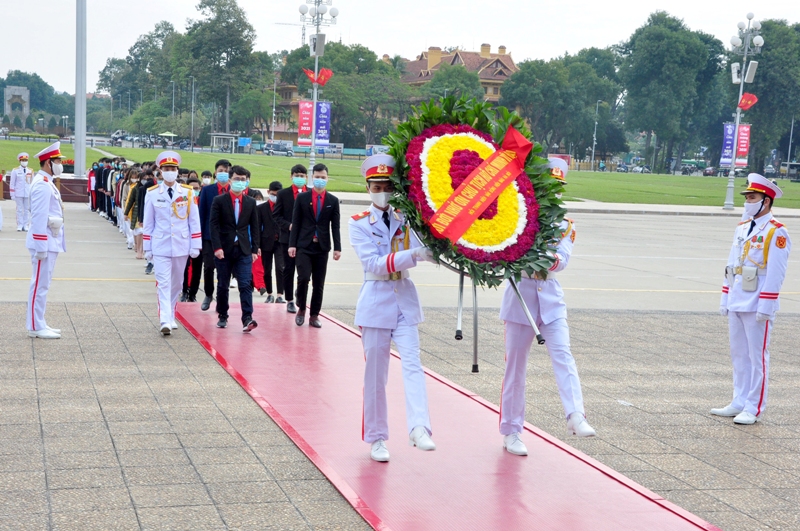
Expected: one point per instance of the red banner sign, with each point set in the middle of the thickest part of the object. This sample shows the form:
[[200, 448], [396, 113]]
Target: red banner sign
[[484, 185], [743, 145], [305, 122]]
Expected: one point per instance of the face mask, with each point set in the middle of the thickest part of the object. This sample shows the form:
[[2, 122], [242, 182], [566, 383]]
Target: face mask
[[222, 177], [57, 169], [319, 184], [259, 202], [380, 199], [169, 176], [238, 186], [272, 198], [248, 183], [134, 181], [206, 180], [94, 167], [24, 163], [299, 181], [751, 210]]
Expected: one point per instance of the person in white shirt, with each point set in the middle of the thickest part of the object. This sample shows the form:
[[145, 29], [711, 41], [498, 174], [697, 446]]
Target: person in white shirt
[[19, 189]]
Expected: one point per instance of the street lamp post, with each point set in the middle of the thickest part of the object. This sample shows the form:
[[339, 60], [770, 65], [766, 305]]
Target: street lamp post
[[748, 42], [594, 136], [173, 98], [66, 124], [274, 97], [192, 113], [316, 18]]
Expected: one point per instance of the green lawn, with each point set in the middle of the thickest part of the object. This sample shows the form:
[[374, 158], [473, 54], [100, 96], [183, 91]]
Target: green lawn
[[9, 149]]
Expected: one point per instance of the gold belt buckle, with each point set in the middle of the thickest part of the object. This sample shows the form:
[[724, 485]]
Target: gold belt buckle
[[737, 270], [537, 275], [397, 275]]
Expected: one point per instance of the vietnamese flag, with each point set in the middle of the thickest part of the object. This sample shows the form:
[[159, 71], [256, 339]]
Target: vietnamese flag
[[747, 101], [309, 74], [324, 75]]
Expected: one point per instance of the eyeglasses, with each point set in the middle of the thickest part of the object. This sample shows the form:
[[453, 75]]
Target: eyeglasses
[[239, 179]]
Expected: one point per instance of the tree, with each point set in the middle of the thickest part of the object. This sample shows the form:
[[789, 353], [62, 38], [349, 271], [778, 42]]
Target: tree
[[455, 80], [51, 125], [17, 122], [254, 104], [29, 122]]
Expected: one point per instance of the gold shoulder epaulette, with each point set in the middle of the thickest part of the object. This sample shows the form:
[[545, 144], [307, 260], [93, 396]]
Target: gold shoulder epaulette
[[152, 187], [187, 186], [361, 215], [745, 221], [777, 223]]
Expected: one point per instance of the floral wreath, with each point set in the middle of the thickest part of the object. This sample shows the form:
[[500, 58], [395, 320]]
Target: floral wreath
[[436, 150]]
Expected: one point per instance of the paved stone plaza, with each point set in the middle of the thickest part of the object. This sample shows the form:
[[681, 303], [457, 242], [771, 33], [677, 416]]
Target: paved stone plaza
[[114, 427]]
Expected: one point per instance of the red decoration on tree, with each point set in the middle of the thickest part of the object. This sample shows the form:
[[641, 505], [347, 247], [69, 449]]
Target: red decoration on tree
[[747, 101]]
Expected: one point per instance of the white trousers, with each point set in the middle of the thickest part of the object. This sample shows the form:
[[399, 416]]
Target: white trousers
[[169, 283], [519, 339], [1, 219], [750, 357], [40, 285], [124, 226], [377, 343], [23, 212]]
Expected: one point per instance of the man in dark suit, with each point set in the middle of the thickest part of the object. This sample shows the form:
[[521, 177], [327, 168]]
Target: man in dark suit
[[270, 246], [284, 207], [235, 238], [314, 221], [207, 195]]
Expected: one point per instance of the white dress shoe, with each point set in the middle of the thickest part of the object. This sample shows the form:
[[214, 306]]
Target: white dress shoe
[[56, 330], [173, 325], [745, 418], [44, 334], [727, 411], [379, 451], [514, 445], [577, 425], [165, 329], [419, 437]]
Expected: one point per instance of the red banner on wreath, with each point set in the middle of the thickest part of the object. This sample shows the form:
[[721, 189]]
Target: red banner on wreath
[[484, 185]]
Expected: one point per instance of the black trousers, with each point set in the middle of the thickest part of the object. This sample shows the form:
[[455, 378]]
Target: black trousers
[[208, 268], [312, 264], [288, 273], [266, 261], [241, 267], [191, 275]]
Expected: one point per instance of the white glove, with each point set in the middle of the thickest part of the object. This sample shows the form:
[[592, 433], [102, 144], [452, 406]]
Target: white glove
[[423, 253], [762, 317], [41, 255], [148, 256], [723, 310], [194, 253]]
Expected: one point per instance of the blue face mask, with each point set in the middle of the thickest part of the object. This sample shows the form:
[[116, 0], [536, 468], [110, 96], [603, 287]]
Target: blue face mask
[[299, 181], [222, 177], [319, 184], [238, 186]]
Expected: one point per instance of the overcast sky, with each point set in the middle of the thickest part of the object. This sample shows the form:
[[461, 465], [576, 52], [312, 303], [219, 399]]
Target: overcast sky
[[530, 30]]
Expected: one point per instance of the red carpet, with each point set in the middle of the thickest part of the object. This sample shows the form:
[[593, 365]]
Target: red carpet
[[310, 382]]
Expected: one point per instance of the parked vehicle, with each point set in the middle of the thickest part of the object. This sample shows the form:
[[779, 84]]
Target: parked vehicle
[[623, 168], [641, 169], [769, 171], [710, 171], [790, 170], [278, 148]]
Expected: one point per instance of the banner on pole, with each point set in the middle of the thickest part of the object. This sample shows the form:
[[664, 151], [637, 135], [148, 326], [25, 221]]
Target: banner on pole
[[323, 126], [743, 145], [305, 120], [726, 157]]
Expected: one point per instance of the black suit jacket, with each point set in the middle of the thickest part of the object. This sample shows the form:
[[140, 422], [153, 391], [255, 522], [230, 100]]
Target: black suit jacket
[[304, 225], [224, 228], [269, 229], [284, 207]]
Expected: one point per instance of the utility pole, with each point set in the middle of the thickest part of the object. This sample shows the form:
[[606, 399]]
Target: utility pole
[[80, 89], [274, 96], [192, 113]]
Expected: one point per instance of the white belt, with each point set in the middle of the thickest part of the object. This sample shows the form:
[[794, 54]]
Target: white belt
[[392, 276], [550, 276]]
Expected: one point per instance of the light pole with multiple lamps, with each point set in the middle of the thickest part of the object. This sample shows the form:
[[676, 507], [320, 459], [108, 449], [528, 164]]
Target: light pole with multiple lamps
[[315, 16], [192, 113], [65, 121], [748, 42], [594, 136]]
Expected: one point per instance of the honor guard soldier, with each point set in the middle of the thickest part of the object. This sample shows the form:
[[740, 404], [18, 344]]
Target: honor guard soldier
[[20, 190], [753, 278], [171, 233], [545, 301], [45, 239], [388, 309]]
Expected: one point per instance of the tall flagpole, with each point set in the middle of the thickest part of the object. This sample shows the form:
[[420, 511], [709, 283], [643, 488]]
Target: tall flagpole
[[80, 89]]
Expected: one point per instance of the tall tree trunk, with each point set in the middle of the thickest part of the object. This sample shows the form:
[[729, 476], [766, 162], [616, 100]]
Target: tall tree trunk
[[668, 155], [647, 143], [228, 109]]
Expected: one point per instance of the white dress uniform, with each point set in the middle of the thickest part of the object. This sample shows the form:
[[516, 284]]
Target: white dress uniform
[[171, 230], [388, 309], [545, 301], [19, 188], [754, 274], [46, 235]]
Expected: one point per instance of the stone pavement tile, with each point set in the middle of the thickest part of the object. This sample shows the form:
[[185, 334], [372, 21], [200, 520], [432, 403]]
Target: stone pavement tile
[[657, 480], [70, 460], [694, 501], [30, 479], [310, 490], [641, 445], [746, 499], [260, 439], [89, 499], [263, 516], [218, 456], [20, 445], [71, 415], [25, 521], [624, 463], [102, 520], [169, 495], [153, 457], [78, 478], [189, 518], [143, 441], [123, 427], [233, 472], [295, 471], [22, 502], [782, 461], [21, 461], [211, 440], [89, 443], [246, 492], [785, 520], [319, 513], [27, 430], [161, 475]]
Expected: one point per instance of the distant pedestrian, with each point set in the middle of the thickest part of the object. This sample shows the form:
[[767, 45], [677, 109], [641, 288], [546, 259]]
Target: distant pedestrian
[[20, 189], [284, 208], [207, 195], [270, 245]]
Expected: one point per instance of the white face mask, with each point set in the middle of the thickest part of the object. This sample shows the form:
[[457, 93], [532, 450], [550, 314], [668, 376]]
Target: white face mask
[[751, 210], [380, 199], [206, 180], [272, 198], [169, 176], [57, 169], [260, 202], [23, 163]]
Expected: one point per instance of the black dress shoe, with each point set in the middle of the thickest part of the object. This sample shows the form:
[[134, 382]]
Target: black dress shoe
[[192, 298], [300, 318], [314, 321], [223, 322], [184, 297], [149, 269], [206, 303], [291, 308], [280, 300], [270, 298], [262, 291], [249, 325]]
